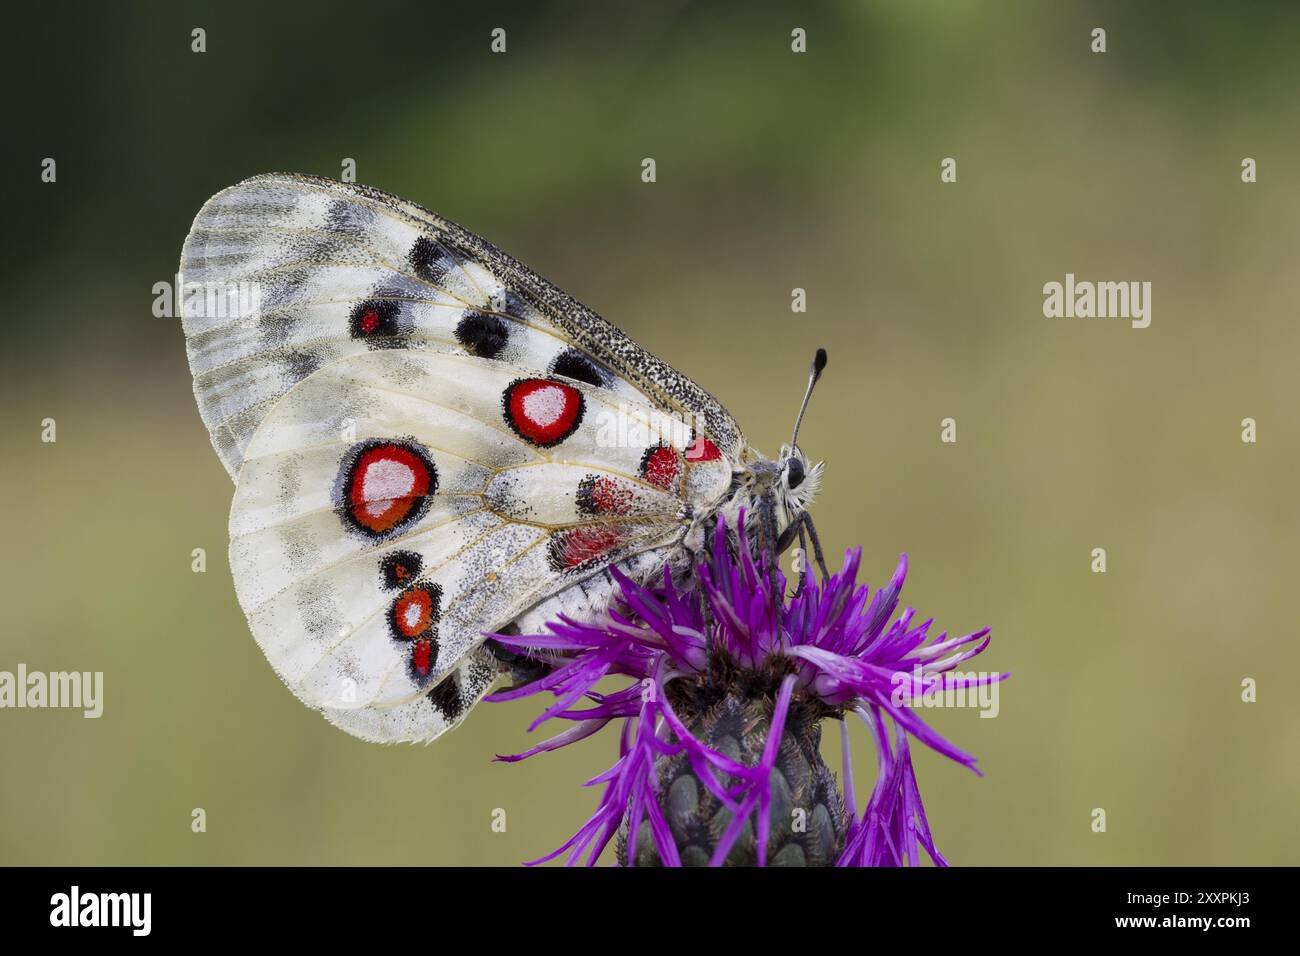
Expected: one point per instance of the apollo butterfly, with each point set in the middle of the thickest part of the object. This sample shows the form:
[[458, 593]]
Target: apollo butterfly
[[432, 444]]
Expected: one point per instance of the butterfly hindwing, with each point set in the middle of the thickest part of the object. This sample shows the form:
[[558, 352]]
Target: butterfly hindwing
[[397, 504]]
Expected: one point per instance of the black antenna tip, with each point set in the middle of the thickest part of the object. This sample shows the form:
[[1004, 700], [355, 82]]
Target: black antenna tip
[[819, 361]]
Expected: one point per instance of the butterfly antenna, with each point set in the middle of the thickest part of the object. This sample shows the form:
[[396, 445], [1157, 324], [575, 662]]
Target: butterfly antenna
[[818, 366]]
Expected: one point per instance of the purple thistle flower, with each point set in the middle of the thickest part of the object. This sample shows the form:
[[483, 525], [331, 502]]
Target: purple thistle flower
[[732, 703]]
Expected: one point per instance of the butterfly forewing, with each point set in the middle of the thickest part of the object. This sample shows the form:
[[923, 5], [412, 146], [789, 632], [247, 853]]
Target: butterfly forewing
[[282, 274], [430, 441]]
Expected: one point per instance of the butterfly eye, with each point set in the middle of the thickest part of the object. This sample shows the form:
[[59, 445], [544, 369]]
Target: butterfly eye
[[793, 473]]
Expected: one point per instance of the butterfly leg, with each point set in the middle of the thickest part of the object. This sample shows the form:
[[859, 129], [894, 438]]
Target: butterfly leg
[[806, 520], [770, 551]]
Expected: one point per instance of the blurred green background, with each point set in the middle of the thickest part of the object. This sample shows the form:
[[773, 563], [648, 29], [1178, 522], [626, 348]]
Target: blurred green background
[[775, 170]]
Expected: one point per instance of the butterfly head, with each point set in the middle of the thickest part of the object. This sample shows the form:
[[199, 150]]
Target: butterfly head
[[780, 491], [799, 479]]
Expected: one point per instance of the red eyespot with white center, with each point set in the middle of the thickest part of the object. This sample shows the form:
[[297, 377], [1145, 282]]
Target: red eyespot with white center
[[386, 486], [542, 411], [414, 612], [413, 621]]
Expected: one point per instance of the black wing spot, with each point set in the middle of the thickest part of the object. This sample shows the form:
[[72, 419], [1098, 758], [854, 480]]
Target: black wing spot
[[573, 364], [482, 334], [446, 699], [429, 260]]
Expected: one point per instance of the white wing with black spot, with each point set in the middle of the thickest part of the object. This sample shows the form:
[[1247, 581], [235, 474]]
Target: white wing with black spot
[[282, 274], [429, 440]]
